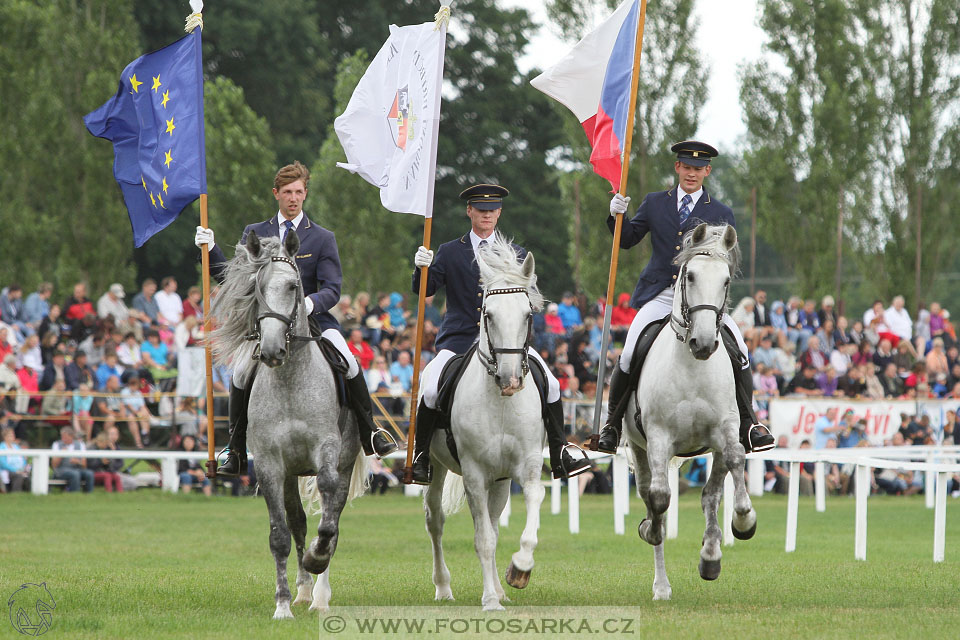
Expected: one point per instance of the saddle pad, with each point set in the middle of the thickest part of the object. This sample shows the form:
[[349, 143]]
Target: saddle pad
[[339, 367]]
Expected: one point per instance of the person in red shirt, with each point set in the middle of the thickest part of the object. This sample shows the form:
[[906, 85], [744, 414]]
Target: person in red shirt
[[360, 348], [78, 305], [621, 316], [192, 304]]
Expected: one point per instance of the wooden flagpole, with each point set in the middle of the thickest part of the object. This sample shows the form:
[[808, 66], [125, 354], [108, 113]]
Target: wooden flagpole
[[207, 328], [618, 228], [442, 18]]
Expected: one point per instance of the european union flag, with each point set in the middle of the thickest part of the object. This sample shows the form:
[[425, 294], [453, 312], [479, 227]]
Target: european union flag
[[155, 123]]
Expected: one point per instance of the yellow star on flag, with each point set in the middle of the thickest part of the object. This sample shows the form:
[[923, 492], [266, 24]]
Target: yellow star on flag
[[161, 201], [166, 98], [135, 83], [170, 126], [156, 83], [164, 184], [144, 183], [167, 159], [152, 200]]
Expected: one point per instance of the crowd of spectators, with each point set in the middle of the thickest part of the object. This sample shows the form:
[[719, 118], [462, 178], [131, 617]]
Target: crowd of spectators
[[82, 348]]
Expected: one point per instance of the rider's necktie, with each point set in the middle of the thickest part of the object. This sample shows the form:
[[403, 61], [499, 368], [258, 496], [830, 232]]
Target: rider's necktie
[[289, 227], [685, 208]]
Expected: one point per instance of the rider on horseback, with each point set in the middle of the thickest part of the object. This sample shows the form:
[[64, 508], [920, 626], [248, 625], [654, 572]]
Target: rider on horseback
[[666, 216], [456, 269], [319, 265]]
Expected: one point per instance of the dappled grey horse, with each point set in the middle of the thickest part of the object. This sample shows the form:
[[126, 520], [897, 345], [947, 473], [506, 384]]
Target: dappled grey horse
[[687, 401], [295, 423]]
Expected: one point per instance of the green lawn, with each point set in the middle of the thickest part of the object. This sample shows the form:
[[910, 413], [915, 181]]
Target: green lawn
[[151, 565]]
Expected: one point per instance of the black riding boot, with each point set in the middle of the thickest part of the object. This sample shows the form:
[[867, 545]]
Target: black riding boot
[[562, 464], [754, 436], [610, 434], [236, 462], [373, 439], [426, 425]]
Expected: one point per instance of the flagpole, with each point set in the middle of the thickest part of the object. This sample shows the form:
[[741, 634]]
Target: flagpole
[[618, 228], [207, 328], [442, 17]]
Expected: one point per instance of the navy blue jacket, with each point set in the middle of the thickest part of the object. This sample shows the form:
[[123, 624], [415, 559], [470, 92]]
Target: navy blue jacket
[[455, 267], [657, 215], [318, 260]]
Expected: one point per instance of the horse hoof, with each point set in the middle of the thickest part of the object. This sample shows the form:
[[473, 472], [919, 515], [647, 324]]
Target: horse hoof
[[709, 569], [647, 534], [314, 563], [745, 535], [283, 612], [516, 578]]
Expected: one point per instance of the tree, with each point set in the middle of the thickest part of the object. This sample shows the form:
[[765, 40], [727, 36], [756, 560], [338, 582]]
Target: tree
[[671, 79], [62, 216]]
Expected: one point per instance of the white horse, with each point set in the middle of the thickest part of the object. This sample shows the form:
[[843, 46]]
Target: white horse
[[498, 428], [687, 401]]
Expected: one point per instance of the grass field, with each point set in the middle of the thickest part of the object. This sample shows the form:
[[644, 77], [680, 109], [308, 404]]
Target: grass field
[[151, 565]]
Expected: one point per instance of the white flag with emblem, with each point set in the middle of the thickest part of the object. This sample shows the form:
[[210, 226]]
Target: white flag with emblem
[[387, 129]]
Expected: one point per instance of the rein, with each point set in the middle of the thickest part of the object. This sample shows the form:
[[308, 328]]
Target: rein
[[489, 360], [288, 320], [681, 326]]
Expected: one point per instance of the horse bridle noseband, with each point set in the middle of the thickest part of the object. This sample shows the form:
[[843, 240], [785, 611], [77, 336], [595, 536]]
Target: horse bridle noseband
[[489, 360], [289, 320], [681, 326]]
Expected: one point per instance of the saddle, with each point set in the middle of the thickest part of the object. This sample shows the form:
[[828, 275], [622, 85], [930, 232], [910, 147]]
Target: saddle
[[450, 378], [338, 365]]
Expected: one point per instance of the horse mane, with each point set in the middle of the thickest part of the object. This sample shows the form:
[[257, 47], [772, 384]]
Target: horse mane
[[499, 265], [235, 305], [712, 245]]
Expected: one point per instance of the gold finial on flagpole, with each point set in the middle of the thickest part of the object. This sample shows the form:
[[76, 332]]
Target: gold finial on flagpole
[[195, 19]]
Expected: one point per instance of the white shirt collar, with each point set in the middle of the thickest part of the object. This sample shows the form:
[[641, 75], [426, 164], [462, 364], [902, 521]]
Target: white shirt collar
[[475, 239], [695, 195], [296, 221]]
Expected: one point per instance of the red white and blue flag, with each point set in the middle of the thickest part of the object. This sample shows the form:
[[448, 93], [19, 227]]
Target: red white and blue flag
[[594, 80]]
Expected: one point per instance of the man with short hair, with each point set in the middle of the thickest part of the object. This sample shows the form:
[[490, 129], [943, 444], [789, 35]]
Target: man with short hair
[[667, 216], [321, 276], [37, 307], [898, 319], [11, 311], [73, 470], [145, 302], [169, 303], [569, 313], [456, 270]]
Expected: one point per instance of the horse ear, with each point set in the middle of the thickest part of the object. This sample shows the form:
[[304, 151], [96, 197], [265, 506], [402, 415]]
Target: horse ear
[[729, 238], [700, 233], [291, 244], [528, 265], [253, 244]]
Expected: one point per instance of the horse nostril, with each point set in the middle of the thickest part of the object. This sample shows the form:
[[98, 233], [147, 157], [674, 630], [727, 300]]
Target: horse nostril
[[693, 344]]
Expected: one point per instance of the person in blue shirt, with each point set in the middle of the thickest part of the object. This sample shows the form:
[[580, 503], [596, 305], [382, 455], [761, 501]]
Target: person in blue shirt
[[569, 313], [319, 263], [402, 370], [109, 367], [666, 216], [37, 307]]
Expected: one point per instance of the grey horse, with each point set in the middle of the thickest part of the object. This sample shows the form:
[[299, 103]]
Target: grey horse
[[296, 427]]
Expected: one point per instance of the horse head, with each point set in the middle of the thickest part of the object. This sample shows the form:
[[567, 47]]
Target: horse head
[[706, 266], [506, 320], [278, 289]]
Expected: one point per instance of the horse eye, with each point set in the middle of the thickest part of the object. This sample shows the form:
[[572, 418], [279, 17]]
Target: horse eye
[[689, 277], [293, 286]]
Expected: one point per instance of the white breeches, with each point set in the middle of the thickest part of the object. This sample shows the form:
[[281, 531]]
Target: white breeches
[[430, 379], [659, 308], [334, 336]]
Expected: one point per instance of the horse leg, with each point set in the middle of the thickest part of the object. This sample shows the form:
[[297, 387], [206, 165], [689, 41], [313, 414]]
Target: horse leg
[[658, 492], [333, 487], [710, 552], [321, 592], [297, 522], [521, 564], [661, 583], [744, 517], [499, 493], [484, 539], [432, 507], [271, 483]]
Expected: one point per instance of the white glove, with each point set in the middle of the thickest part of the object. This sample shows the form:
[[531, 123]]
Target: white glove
[[619, 204], [204, 237], [308, 303], [424, 257]]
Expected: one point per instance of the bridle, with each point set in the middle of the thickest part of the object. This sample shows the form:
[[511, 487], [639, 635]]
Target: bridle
[[489, 359], [288, 320], [681, 326]]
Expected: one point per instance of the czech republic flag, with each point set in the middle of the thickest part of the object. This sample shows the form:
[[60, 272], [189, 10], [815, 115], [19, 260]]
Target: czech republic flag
[[593, 80]]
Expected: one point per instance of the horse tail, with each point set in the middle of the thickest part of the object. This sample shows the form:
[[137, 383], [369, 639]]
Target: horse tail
[[359, 483], [360, 479], [454, 495]]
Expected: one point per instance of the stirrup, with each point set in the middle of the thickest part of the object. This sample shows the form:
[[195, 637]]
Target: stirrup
[[391, 445], [416, 465], [761, 447], [581, 465]]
